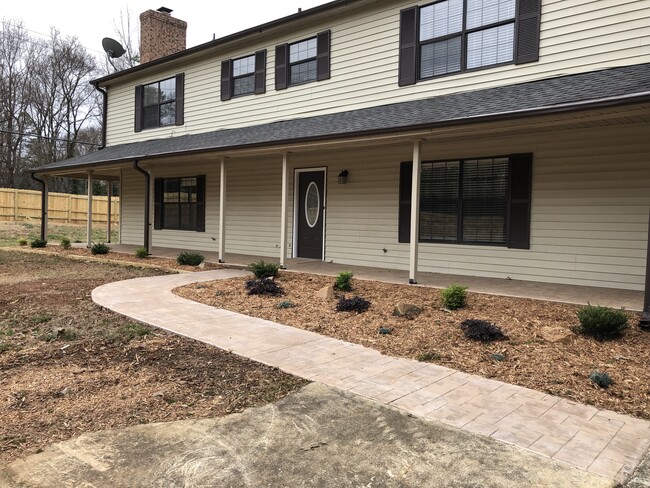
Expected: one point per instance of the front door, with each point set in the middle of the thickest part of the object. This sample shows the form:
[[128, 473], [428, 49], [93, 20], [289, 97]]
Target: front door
[[311, 214]]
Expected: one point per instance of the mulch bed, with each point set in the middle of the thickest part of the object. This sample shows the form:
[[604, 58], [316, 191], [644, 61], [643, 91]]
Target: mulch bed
[[529, 359]]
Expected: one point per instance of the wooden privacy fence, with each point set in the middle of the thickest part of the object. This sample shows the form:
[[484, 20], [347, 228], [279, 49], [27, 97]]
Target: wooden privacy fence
[[62, 207]]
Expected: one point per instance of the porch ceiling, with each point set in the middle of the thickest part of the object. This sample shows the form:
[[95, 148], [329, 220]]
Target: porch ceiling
[[607, 97]]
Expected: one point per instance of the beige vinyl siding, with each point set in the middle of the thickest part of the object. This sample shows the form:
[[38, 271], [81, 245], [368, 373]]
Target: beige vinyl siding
[[132, 201], [577, 36]]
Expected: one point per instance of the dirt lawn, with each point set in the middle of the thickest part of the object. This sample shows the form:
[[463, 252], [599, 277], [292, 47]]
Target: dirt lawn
[[68, 367], [527, 358]]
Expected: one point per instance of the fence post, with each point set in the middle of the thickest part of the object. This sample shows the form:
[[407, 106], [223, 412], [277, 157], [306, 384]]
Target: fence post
[[69, 209], [16, 204]]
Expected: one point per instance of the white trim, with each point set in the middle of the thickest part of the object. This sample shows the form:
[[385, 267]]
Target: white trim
[[119, 192], [415, 213], [294, 251], [222, 211], [89, 220]]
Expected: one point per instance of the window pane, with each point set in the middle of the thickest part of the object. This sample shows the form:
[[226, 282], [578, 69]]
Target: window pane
[[168, 113], [486, 12], [188, 190], [168, 90], [439, 203], [170, 214], [172, 186], [490, 46], [485, 200], [303, 72], [244, 85], [151, 117], [439, 58], [243, 66], [441, 19], [302, 50], [150, 94]]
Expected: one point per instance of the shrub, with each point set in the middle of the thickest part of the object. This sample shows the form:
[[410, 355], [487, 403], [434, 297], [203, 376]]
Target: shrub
[[38, 243], [141, 252], [428, 356], [264, 286], [188, 258], [481, 330], [602, 322], [601, 379], [264, 270], [354, 304], [344, 281], [99, 248], [65, 243], [454, 297], [22, 242], [286, 304], [135, 331]]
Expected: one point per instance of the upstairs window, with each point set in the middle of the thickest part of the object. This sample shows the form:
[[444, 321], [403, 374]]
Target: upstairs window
[[243, 76], [159, 104], [452, 36], [303, 61]]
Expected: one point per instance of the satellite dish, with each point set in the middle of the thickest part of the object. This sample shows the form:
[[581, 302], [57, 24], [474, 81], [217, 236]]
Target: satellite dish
[[113, 48]]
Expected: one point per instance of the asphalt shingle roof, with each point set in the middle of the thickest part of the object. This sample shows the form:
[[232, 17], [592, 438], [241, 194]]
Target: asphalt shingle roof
[[511, 100]]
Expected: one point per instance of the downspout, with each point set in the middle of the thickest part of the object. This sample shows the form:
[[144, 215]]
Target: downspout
[[43, 204], [104, 93], [147, 200]]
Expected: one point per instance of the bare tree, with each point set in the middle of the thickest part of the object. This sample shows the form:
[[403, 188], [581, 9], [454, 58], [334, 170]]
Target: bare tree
[[127, 31]]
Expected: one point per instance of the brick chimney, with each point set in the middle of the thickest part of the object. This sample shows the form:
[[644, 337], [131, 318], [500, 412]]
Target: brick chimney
[[160, 34]]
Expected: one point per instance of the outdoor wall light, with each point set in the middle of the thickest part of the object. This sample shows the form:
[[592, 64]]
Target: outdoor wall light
[[343, 177]]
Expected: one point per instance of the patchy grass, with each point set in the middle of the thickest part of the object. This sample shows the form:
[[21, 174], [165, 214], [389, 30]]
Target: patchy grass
[[12, 232]]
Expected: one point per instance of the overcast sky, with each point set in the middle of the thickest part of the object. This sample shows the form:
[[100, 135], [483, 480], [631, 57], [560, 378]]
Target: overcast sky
[[93, 20]]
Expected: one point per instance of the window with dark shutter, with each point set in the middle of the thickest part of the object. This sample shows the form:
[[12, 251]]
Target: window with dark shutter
[[281, 66], [138, 109], [323, 56], [303, 61], [452, 36], [180, 99], [260, 72], [160, 104], [179, 203], [226, 70], [470, 201]]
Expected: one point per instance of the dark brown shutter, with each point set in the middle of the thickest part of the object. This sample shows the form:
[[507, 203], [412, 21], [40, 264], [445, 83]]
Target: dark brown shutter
[[323, 55], [405, 185], [226, 84], [138, 109], [521, 179], [180, 99], [200, 203], [260, 72], [528, 27], [408, 43], [159, 185], [281, 66]]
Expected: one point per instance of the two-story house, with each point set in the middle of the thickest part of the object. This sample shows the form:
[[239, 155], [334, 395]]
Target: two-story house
[[502, 138]]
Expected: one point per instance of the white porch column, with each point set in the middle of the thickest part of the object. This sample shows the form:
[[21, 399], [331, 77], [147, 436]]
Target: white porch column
[[645, 319], [222, 212], [283, 219], [44, 210], [109, 191], [89, 229], [415, 213]]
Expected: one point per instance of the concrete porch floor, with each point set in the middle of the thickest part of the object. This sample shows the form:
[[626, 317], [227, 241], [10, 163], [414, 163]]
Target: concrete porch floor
[[610, 297]]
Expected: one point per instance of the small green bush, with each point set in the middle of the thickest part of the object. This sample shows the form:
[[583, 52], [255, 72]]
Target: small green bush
[[141, 252], [65, 243], [354, 304], [602, 322], [454, 297], [37, 243], [263, 270], [22, 242], [135, 331], [344, 281], [481, 330], [188, 258], [428, 356], [264, 286], [286, 304], [601, 379], [99, 248]]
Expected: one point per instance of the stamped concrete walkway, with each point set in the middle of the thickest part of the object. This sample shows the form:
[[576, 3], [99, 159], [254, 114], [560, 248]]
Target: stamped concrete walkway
[[599, 441]]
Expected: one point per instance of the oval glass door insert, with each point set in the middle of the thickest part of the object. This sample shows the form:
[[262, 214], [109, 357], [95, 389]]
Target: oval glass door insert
[[312, 204]]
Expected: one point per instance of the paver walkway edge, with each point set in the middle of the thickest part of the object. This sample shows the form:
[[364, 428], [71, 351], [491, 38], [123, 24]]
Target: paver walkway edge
[[600, 441]]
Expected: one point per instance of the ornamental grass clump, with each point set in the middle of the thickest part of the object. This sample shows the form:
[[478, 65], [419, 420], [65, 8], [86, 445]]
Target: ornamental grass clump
[[343, 281], [141, 252], [262, 269], [354, 304], [454, 297], [264, 286], [99, 248], [481, 330], [65, 243], [38, 243], [188, 258], [602, 322]]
